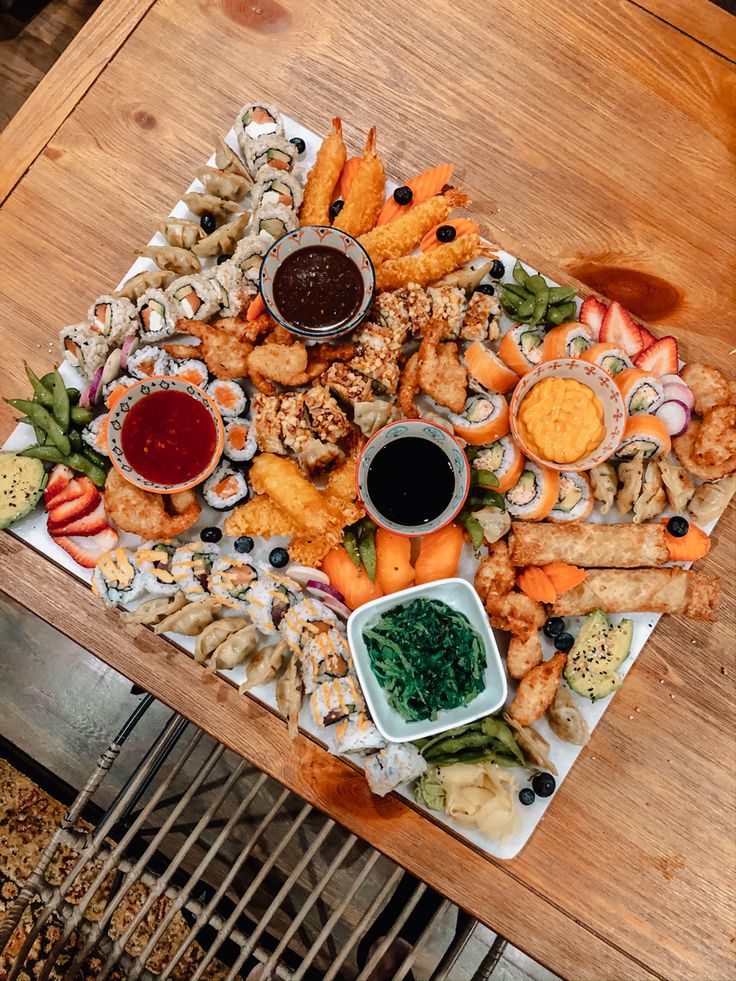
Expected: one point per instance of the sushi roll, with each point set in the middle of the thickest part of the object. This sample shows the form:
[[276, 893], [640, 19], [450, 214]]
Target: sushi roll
[[575, 500], [485, 366], [149, 361], [240, 440], [270, 599], [502, 458], [112, 317], [191, 567], [114, 389], [336, 699], [232, 289], [304, 620], [566, 341], [195, 296], [84, 348], [324, 656], [230, 580], [191, 370], [641, 392], [95, 434], [396, 763], [249, 254], [608, 357], [255, 120], [485, 418], [156, 564], [644, 434], [534, 494], [273, 221], [521, 347], [276, 187], [229, 397], [356, 734], [117, 578], [156, 315], [271, 150], [225, 487]]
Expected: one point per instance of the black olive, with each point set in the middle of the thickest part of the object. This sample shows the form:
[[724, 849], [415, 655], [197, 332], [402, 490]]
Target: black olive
[[335, 208], [497, 269], [208, 222], [446, 233], [527, 796], [564, 642], [223, 258], [403, 195], [211, 534], [544, 784], [278, 557], [678, 526], [553, 627], [485, 288], [299, 143], [244, 544]]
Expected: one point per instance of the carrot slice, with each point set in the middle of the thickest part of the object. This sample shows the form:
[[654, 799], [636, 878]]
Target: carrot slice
[[536, 584], [462, 226], [439, 554], [394, 570], [564, 576], [424, 186], [257, 307], [690, 547], [353, 583], [346, 177]]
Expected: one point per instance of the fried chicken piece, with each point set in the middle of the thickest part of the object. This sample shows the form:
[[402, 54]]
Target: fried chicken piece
[[523, 655], [223, 346], [441, 374], [710, 387], [495, 574], [537, 690], [282, 363], [152, 516], [408, 387], [364, 200], [686, 449]]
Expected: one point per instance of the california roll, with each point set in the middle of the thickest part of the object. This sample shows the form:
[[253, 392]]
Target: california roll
[[521, 347], [503, 458], [575, 498], [156, 560], [534, 494], [484, 418], [117, 578], [610, 358], [641, 392]]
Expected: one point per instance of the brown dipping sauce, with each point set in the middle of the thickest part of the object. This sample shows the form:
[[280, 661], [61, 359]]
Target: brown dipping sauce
[[318, 288]]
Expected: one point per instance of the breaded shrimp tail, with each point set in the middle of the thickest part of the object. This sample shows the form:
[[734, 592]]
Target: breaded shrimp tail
[[399, 237], [366, 194], [323, 177], [395, 274]]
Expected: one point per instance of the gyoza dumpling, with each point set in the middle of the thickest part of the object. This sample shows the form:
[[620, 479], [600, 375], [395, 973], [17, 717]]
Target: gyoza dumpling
[[264, 666], [289, 690], [154, 279], [199, 203], [604, 482], [234, 649], [181, 232], [631, 475], [566, 720], [227, 159], [711, 500], [532, 744], [369, 417], [154, 610], [677, 483], [223, 184], [214, 634], [180, 261], [223, 239], [190, 619], [652, 500]]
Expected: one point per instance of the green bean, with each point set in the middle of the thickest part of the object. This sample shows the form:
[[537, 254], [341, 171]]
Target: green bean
[[560, 294], [540, 305], [520, 274], [484, 478], [61, 400], [536, 284], [350, 541], [525, 309], [43, 418], [367, 549], [51, 454], [81, 416], [80, 463], [40, 392]]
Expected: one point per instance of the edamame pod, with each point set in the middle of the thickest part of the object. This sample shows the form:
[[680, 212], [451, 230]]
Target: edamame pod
[[526, 308], [50, 454], [42, 417], [78, 462], [536, 284], [560, 294], [520, 274], [81, 416], [40, 392], [60, 398]]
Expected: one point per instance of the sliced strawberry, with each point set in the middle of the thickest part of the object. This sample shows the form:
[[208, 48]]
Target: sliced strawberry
[[59, 478], [88, 524], [74, 489], [659, 358], [77, 507], [647, 337], [618, 328], [89, 550], [592, 313]]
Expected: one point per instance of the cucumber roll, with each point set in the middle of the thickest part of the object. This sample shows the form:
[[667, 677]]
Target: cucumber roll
[[325, 656], [230, 580], [156, 313], [156, 563], [304, 620], [274, 220], [272, 150], [575, 500], [95, 434], [255, 120], [191, 567], [229, 397], [84, 348], [240, 440], [336, 699], [276, 187], [195, 295], [356, 734], [149, 361], [249, 254], [270, 599], [112, 317], [117, 578], [225, 487]]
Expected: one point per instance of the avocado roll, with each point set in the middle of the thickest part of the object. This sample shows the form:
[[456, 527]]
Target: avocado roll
[[336, 699], [225, 487], [195, 296], [356, 734], [575, 499], [84, 348], [113, 317], [240, 440], [276, 186], [117, 578], [255, 120], [273, 221], [156, 561], [272, 150], [156, 315], [230, 580], [534, 494], [249, 254], [324, 656]]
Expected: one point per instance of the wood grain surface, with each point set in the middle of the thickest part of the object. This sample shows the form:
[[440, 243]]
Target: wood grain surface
[[708, 23], [595, 141]]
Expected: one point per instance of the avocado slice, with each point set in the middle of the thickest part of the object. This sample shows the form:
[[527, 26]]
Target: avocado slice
[[598, 651], [22, 481], [570, 500]]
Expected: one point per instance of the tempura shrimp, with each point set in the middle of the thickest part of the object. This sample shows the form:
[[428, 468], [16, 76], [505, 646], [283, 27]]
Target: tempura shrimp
[[401, 236], [323, 177], [366, 194], [423, 269]]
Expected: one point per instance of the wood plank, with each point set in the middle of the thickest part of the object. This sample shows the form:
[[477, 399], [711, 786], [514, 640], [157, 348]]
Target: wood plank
[[470, 880], [38, 118], [707, 22]]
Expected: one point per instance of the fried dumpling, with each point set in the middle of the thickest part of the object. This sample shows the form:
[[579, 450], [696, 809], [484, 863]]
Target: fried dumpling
[[181, 232], [234, 649], [264, 666], [190, 619], [289, 691], [199, 203], [566, 720], [711, 500], [180, 261], [223, 184], [227, 159], [223, 239], [604, 482], [153, 279], [532, 744], [652, 500], [369, 417], [214, 634], [153, 610], [631, 475], [677, 483]]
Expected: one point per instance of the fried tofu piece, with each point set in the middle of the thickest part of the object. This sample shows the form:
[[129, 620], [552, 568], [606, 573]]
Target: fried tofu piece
[[537, 690], [710, 387], [329, 422], [523, 655], [349, 385], [266, 423], [442, 376]]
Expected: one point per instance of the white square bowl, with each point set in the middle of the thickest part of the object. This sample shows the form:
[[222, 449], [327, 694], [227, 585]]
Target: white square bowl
[[460, 595]]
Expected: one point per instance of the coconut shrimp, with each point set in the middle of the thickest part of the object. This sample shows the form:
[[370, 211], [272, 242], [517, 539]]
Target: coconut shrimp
[[365, 197], [422, 269], [403, 235], [323, 177]]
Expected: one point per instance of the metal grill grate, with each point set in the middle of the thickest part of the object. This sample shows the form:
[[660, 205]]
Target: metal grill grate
[[204, 868]]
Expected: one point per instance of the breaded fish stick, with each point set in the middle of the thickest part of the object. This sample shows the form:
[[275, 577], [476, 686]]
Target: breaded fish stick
[[623, 546], [366, 194], [423, 269], [323, 177], [403, 235]]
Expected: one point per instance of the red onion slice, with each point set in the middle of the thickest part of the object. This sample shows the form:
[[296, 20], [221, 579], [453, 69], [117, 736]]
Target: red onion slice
[[129, 345], [678, 391], [337, 607], [320, 588], [675, 415], [92, 393]]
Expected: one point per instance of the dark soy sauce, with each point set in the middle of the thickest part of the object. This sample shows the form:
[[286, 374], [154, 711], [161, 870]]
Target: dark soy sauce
[[410, 481]]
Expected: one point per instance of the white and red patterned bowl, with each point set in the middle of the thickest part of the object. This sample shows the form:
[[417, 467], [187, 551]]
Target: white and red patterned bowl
[[309, 236], [602, 385]]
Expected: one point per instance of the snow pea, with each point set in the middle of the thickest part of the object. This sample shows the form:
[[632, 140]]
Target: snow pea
[[484, 478], [367, 548], [472, 526]]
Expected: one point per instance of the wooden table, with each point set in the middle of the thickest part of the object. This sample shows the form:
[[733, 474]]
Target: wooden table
[[594, 139]]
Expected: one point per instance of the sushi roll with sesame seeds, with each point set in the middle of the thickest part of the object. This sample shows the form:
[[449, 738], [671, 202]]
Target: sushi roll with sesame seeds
[[229, 397], [276, 187], [270, 599], [233, 290], [271, 150], [95, 434], [156, 315], [84, 348], [240, 440], [225, 487], [255, 120], [191, 370], [156, 561], [230, 580], [195, 295], [249, 254], [271, 221], [191, 567], [112, 317], [148, 362]]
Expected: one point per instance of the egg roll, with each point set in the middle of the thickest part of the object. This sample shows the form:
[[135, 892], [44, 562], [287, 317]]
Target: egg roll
[[622, 546], [683, 591]]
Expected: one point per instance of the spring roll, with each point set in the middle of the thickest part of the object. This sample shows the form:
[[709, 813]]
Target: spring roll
[[683, 591], [624, 546]]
